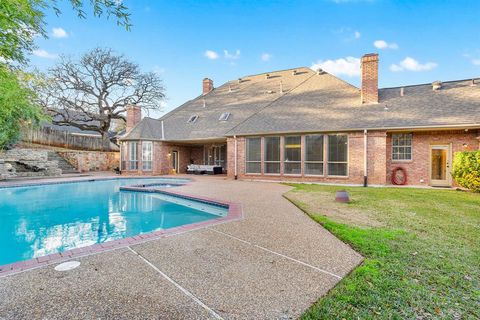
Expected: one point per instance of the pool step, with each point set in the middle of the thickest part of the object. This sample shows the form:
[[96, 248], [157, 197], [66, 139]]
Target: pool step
[[62, 163]]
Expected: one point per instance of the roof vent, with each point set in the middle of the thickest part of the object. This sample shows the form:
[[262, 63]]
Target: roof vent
[[319, 71], [437, 85], [229, 88], [240, 80], [267, 76], [402, 92], [281, 86], [269, 91], [204, 103], [294, 72], [192, 119], [472, 83], [224, 116]]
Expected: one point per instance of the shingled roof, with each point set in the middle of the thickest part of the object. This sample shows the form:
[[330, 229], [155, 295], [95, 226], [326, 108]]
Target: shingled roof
[[311, 102]]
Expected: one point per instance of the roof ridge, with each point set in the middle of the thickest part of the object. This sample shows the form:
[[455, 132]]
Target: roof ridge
[[269, 104], [281, 70]]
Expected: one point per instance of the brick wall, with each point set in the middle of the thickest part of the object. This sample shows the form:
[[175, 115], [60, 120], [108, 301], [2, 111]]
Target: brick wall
[[418, 169]]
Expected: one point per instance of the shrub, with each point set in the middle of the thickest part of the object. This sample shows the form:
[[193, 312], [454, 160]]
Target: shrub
[[466, 169]]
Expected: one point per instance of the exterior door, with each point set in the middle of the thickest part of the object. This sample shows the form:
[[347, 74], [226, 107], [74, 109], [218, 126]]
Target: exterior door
[[440, 160], [175, 161]]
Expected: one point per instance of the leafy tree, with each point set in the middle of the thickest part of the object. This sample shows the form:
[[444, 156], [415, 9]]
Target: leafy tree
[[22, 20], [90, 93], [17, 106]]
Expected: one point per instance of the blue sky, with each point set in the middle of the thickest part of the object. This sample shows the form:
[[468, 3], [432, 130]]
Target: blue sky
[[185, 41]]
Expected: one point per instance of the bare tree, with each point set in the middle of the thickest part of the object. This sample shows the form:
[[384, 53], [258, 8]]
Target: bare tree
[[89, 93]]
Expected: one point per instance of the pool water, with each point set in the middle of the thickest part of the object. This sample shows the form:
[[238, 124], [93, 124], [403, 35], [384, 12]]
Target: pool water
[[40, 220]]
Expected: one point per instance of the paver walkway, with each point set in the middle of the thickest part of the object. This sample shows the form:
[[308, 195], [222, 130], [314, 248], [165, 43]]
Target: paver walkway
[[273, 264]]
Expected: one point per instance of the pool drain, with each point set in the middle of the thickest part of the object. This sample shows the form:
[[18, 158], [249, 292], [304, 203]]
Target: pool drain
[[67, 266]]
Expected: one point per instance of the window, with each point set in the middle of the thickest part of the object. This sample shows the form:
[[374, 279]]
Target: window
[[253, 164], [133, 154], [292, 155], [224, 116], [147, 148], [337, 155], [192, 119], [272, 155], [314, 154], [402, 146]]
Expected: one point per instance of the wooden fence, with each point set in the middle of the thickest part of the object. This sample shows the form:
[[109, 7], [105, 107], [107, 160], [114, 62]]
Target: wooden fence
[[56, 138]]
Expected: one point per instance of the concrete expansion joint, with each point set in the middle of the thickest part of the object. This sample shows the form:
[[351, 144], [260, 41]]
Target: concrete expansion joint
[[279, 254], [178, 286]]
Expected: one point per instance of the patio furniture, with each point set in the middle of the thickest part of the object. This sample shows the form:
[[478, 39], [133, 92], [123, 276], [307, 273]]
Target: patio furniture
[[204, 169]]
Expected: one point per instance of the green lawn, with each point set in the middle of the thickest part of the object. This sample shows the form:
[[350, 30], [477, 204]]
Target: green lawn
[[421, 249]]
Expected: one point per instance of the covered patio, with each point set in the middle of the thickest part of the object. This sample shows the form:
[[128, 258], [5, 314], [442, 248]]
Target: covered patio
[[146, 157]]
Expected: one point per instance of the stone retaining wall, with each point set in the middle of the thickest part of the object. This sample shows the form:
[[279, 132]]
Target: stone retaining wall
[[21, 162], [85, 161]]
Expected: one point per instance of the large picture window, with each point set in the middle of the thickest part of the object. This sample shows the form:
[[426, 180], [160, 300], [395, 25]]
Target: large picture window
[[133, 156], [402, 146], [272, 155], [292, 155], [314, 154], [254, 155], [337, 155], [147, 149]]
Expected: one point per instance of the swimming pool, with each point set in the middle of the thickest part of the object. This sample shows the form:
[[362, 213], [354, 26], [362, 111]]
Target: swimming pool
[[39, 220]]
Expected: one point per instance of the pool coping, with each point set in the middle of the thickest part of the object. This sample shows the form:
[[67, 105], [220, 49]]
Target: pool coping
[[235, 212]]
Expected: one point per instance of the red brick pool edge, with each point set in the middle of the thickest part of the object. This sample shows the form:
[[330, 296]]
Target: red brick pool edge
[[235, 212]]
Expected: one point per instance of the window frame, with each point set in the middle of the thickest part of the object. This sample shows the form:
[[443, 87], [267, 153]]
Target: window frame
[[130, 154], [253, 161], [144, 143], [265, 162], [192, 119], [326, 156], [284, 161], [402, 146], [305, 161]]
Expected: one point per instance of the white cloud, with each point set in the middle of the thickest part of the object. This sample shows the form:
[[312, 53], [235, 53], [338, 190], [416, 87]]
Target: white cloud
[[266, 56], [59, 33], [476, 62], [410, 64], [357, 34], [210, 54], [231, 56], [349, 66], [44, 54], [382, 44]]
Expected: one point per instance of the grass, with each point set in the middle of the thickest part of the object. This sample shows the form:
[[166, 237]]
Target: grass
[[422, 261]]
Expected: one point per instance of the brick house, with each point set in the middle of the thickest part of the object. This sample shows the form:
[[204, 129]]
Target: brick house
[[305, 125]]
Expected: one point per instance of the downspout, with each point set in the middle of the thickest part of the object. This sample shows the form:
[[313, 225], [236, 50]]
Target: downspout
[[235, 156], [365, 159], [163, 131]]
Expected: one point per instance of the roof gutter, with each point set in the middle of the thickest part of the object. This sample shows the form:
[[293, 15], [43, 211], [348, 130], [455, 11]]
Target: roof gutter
[[412, 128]]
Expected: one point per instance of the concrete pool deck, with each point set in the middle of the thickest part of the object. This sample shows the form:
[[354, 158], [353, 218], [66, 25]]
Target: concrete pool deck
[[272, 264]]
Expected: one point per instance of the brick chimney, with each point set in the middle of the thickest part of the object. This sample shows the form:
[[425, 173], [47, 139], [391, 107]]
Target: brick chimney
[[134, 115], [369, 78], [207, 86]]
